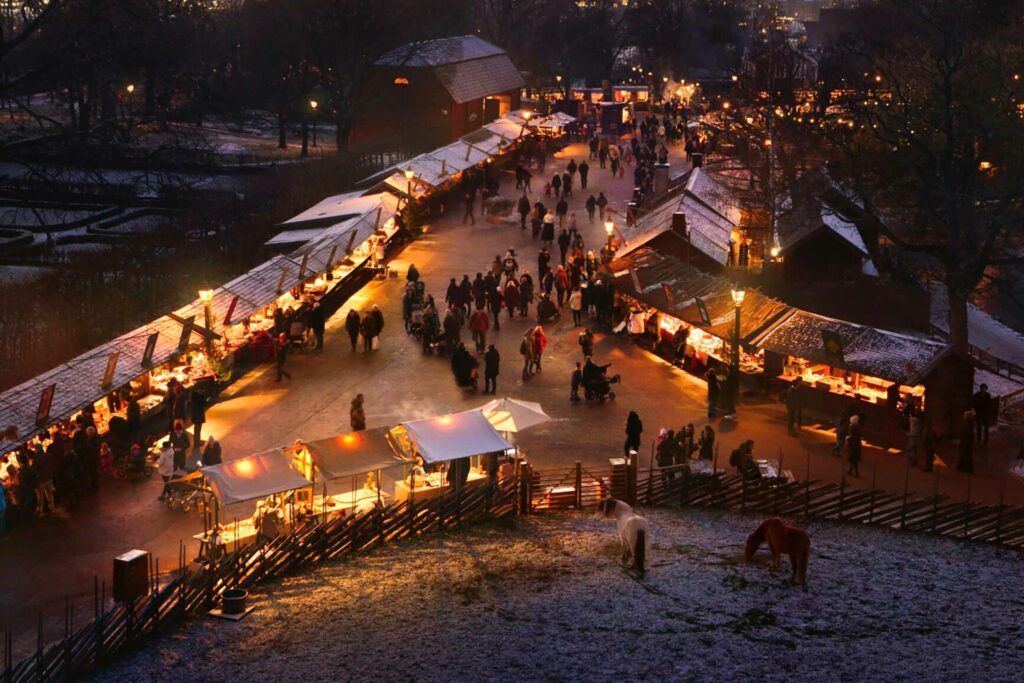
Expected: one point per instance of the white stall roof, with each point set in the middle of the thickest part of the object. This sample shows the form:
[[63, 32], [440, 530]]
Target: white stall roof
[[254, 476], [354, 453], [508, 129], [337, 207], [460, 435]]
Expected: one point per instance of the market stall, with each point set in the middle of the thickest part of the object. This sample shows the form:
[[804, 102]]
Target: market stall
[[437, 444], [264, 477], [839, 362]]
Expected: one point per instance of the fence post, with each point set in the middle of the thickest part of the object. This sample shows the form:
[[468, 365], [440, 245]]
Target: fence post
[[935, 499], [807, 485], [578, 502], [967, 510], [631, 478], [780, 477]]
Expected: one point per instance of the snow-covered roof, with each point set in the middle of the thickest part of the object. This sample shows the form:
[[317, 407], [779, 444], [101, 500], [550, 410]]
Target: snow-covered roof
[[714, 194], [844, 228], [894, 356], [709, 231], [254, 476], [984, 331], [440, 51], [460, 435], [336, 207]]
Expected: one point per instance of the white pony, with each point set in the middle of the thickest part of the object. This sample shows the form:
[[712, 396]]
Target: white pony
[[633, 530]]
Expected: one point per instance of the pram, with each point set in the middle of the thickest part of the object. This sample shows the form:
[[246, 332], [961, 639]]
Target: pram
[[184, 490], [300, 336]]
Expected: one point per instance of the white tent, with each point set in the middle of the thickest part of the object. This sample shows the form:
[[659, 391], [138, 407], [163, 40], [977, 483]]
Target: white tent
[[512, 415], [252, 477], [460, 435]]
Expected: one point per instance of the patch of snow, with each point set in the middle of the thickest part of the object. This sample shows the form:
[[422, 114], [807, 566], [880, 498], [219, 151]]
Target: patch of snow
[[551, 601]]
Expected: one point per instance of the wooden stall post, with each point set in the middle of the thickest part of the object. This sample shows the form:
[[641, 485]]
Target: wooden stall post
[[578, 484]]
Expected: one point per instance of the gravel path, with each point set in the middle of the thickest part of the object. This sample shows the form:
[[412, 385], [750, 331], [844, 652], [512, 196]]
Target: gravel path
[[549, 601]]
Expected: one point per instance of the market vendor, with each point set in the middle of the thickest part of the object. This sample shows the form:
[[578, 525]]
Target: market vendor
[[417, 473]]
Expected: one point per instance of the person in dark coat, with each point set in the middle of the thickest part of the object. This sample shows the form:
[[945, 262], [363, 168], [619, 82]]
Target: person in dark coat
[[525, 294], [543, 261], [524, 210], [458, 472], [983, 405], [180, 444], [452, 295], [563, 245], [713, 391], [198, 414], [707, 443], [492, 361], [794, 405], [584, 170], [378, 320], [634, 428], [465, 294], [352, 327], [212, 454], [480, 291], [566, 185], [357, 414], [412, 275], [511, 299], [317, 323], [576, 380], [556, 185], [854, 445], [280, 356], [451, 328], [494, 301]]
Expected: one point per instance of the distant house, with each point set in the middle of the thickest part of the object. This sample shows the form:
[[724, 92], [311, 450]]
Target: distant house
[[426, 94]]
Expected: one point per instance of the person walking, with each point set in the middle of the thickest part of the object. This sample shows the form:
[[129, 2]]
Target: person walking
[[586, 342], [842, 429], [561, 210], [318, 323], [584, 172], [357, 414], [543, 261], [479, 323], [602, 202], [591, 206], [576, 305], [714, 389], [352, 325], [576, 380], [556, 185], [280, 356], [212, 453], [366, 329], [198, 415], [540, 343], [180, 445], [563, 245], [571, 168], [494, 301], [492, 361], [524, 209], [547, 233], [634, 428], [561, 284], [378, 324], [706, 445], [526, 349], [511, 298], [853, 446], [525, 294], [470, 201], [566, 185], [913, 442], [613, 158]]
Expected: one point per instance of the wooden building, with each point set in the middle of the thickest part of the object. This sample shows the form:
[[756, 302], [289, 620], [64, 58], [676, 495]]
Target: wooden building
[[426, 94]]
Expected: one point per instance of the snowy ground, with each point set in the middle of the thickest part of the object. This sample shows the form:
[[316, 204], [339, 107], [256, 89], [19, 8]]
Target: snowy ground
[[549, 601]]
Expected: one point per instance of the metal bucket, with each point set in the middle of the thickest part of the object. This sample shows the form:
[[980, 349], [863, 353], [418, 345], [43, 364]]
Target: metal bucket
[[232, 600]]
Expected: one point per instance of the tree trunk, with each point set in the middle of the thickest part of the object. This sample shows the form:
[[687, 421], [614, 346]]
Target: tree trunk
[[958, 329], [305, 136]]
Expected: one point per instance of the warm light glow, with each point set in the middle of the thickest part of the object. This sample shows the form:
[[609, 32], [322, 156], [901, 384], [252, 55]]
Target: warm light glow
[[350, 439], [410, 174], [527, 115], [774, 252], [735, 78], [444, 420], [985, 166], [737, 295], [768, 142], [401, 81], [313, 104], [609, 228], [558, 78], [206, 295], [319, 282], [244, 468], [878, 78], [130, 88], [664, 79], [726, 105]]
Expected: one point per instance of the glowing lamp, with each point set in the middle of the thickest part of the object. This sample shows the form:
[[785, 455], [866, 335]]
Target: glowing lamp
[[985, 166], [609, 228], [737, 295], [244, 469], [130, 88], [313, 104], [410, 174], [726, 105], [206, 295], [775, 252]]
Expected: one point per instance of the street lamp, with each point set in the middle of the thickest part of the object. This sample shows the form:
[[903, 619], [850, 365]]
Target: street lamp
[[733, 380], [609, 227], [206, 296], [313, 104], [409, 175]]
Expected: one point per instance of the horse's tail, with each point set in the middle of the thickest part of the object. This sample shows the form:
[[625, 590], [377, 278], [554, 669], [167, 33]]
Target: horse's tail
[[640, 554]]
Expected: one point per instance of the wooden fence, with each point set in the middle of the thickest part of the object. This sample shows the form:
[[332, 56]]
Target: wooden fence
[[191, 591]]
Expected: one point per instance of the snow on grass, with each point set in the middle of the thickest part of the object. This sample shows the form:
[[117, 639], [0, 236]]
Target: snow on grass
[[550, 601]]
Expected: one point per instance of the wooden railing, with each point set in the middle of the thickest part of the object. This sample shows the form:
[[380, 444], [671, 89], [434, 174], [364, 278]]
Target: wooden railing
[[188, 592]]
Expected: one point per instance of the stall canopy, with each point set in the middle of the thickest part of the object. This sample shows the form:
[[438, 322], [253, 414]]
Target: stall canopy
[[893, 356], [513, 415], [354, 453], [252, 477], [460, 435]]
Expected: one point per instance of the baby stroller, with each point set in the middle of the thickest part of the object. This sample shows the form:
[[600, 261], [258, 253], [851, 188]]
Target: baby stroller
[[301, 337], [184, 490], [600, 387]]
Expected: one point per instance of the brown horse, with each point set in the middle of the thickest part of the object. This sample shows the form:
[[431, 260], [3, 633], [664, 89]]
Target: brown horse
[[782, 538]]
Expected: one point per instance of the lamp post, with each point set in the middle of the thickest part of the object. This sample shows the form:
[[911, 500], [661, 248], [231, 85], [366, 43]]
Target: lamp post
[[130, 90], [609, 227], [206, 296], [733, 380], [313, 104]]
